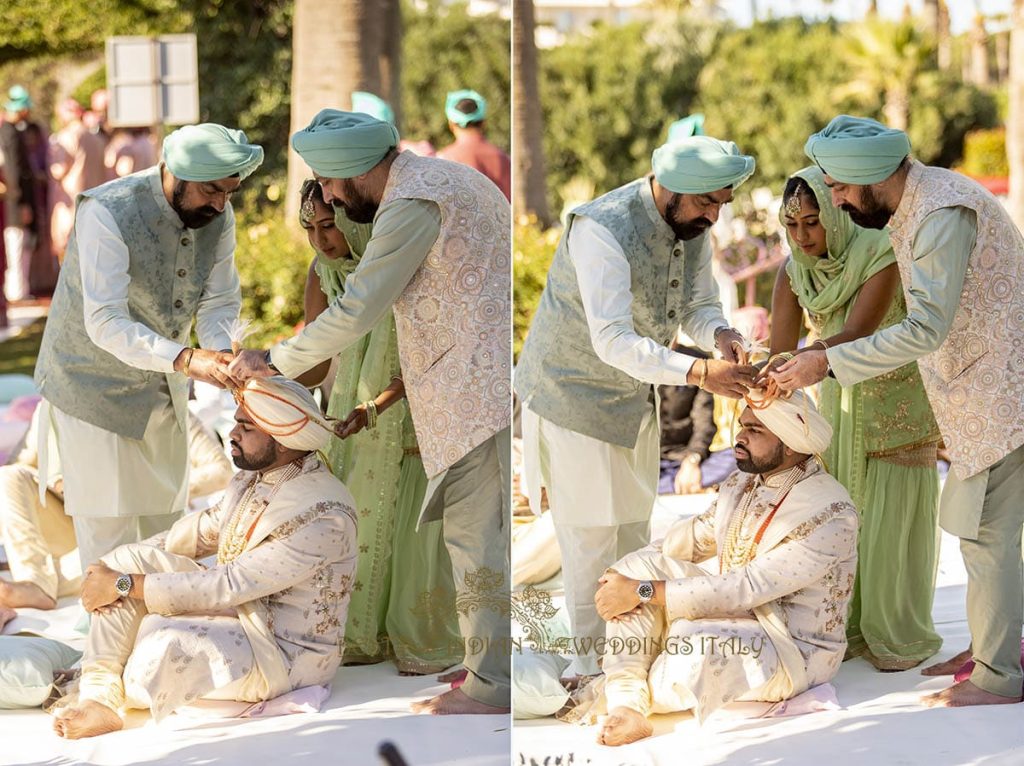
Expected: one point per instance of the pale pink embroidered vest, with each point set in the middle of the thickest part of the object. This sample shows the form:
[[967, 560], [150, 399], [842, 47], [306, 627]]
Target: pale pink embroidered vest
[[975, 380], [454, 318]]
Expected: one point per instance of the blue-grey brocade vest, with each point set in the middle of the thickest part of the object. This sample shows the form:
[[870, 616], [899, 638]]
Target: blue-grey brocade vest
[[168, 266], [559, 375]]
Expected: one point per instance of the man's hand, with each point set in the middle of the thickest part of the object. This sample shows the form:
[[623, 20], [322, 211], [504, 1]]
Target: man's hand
[[353, 424], [208, 366], [616, 596], [723, 378], [729, 343], [801, 371], [250, 363], [687, 480], [98, 588]]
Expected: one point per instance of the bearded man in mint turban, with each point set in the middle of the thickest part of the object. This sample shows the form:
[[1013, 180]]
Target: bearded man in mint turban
[[150, 255], [961, 262], [439, 257], [632, 268]]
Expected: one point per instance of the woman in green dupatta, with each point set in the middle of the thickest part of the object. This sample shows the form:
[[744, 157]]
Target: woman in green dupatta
[[403, 596], [885, 437]]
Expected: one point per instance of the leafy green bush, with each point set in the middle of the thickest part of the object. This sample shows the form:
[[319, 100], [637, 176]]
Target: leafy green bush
[[985, 153], [273, 260], [533, 250]]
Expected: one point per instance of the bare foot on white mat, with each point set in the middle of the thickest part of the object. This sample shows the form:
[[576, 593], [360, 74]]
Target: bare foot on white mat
[[623, 725], [6, 615], [965, 694], [23, 594], [950, 666], [459, 674], [86, 719], [455, 702]]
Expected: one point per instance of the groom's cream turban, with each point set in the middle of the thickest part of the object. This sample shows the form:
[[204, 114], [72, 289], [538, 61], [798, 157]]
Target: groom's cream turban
[[796, 422], [284, 409]]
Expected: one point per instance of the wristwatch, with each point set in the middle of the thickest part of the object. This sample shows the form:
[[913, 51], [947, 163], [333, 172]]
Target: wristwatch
[[123, 585], [645, 590], [722, 328]]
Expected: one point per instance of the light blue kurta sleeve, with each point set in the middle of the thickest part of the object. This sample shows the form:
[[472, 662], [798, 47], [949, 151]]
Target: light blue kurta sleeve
[[403, 233], [941, 250]]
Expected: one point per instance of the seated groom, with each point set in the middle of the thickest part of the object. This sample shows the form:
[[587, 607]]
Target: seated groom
[[268, 618], [768, 622]]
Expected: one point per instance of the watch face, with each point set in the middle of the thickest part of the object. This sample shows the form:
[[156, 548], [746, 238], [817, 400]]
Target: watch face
[[123, 585], [645, 591]]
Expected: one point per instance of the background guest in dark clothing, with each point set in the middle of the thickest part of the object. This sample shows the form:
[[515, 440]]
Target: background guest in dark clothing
[[687, 430], [20, 140]]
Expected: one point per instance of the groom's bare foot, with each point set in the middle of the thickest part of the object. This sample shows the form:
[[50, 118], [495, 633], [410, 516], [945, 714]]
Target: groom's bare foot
[[950, 666], [455, 702], [23, 594], [623, 725], [86, 719], [965, 694]]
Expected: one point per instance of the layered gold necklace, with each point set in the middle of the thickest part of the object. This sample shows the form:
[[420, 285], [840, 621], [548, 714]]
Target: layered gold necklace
[[236, 536], [740, 541]]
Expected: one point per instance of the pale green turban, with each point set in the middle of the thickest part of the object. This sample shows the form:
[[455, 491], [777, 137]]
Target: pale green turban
[[375, 106], [700, 164], [686, 127], [18, 99], [340, 144], [856, 150], [209, 152], [459, 117]]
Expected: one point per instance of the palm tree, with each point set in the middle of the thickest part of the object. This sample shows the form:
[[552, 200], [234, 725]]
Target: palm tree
[[1015, 123], [529, 190], [886, 57], [350, 35]]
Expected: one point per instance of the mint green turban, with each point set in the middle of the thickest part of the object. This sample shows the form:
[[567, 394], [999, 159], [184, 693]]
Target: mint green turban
[[700, 164], [209, 152], [18, 99], [686, 127], [459, 117], [340, 144], [375, 106], [856, 150]]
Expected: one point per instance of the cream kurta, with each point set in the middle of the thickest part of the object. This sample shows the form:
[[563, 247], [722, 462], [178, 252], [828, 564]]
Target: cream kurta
[[269, 621], [767, 630]]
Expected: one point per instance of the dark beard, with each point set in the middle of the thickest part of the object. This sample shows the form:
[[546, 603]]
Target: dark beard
[[764, 465], [874, 216], [254, 462], [192, 219], [688, 229], [361, 212]]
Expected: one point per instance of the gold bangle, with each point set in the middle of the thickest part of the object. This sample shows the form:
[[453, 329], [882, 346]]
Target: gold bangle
[[703, 374], [371, 413], [188, 361]]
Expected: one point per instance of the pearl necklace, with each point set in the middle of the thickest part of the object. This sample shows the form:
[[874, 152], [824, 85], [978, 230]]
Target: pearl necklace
[[233, 542], [740, 543]]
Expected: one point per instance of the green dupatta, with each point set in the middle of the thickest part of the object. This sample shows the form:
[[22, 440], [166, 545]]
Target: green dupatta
[[881, 415]]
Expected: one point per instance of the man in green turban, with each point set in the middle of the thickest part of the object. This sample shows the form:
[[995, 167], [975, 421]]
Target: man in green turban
[[632, 267], [150, 254], [466, 111], [961, 260], [439, 256]]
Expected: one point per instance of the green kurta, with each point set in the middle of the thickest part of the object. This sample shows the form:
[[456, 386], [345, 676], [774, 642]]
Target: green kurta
[[403, 599], [882, 451]]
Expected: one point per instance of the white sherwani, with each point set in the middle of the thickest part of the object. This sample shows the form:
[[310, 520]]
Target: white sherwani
[[766, 630], [269, 621]]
